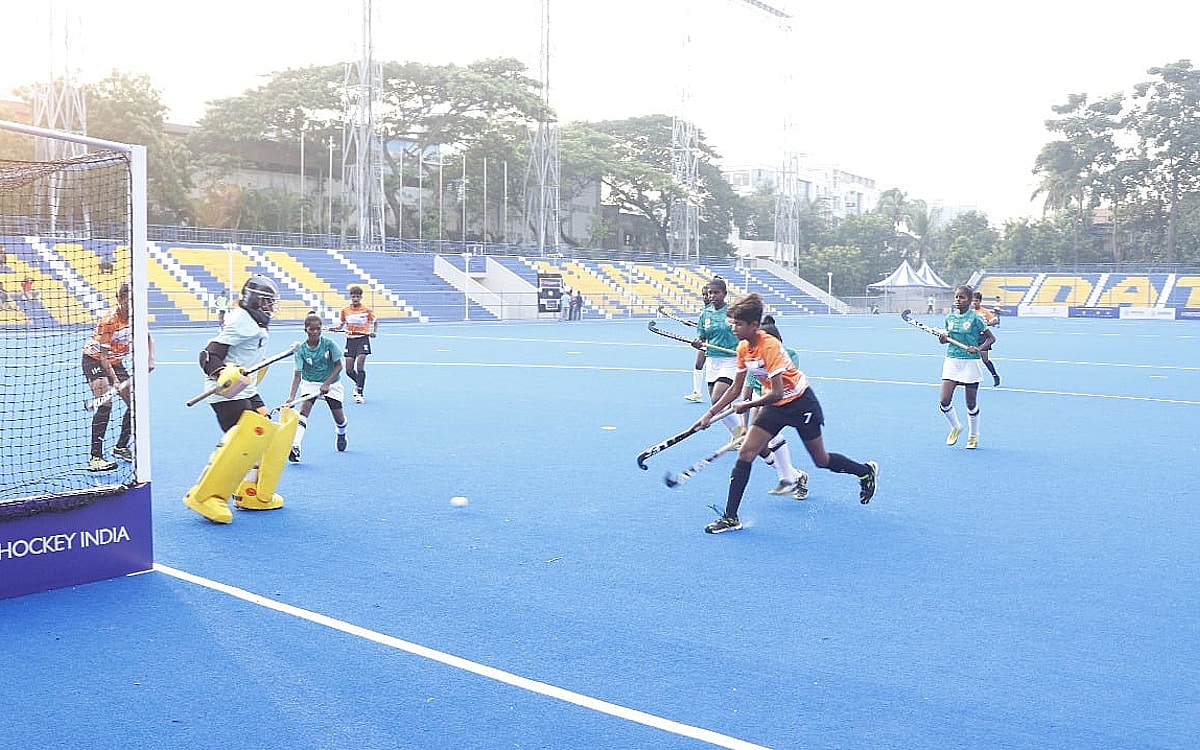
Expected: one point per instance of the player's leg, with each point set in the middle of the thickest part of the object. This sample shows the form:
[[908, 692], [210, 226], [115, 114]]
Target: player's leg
[[98, 383], [359, 393], [334, 398], [756, 440], [240, 447], [121, 450], [257, 490], [306, 388], [351, 359], [946, 404], [972, 393]]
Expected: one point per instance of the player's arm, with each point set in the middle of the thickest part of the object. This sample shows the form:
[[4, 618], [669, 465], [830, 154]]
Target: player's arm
[[986, 339], [212, 358]]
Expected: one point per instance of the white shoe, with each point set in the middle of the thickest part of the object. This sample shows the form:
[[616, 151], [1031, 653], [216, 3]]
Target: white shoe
[[783, 488], [694, 397], [801, 491]]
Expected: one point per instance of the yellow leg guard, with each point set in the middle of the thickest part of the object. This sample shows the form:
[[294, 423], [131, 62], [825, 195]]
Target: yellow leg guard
[[239, 449], [258, 493]]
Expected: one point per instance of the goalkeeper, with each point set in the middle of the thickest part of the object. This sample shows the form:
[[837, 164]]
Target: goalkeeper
[[250, 457]]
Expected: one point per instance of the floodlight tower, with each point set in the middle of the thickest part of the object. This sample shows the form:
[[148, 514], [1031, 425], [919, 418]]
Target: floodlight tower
[[59, 103], [683, 236], [788, 196], [362, 146], [542, 174]]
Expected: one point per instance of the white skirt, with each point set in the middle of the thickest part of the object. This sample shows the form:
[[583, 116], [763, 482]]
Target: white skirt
[[963, 371]]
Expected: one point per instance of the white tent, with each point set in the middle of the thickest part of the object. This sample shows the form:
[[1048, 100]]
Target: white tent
[[907, 289]]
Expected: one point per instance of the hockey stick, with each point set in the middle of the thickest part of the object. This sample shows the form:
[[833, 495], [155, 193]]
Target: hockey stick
[[248, 371], [667, 314], [294, 402], [674, 480], [652, 325], [677, 438], [103, 399], [907, 315]]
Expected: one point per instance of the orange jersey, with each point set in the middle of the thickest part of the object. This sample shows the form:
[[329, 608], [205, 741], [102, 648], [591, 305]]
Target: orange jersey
[[111, 338], [766, 358], [989, 316], [357, 321]]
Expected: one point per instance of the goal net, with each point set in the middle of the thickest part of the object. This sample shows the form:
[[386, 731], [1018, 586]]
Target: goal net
[[73, 417]]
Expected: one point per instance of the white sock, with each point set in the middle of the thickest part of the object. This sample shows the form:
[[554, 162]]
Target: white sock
[[973, 422], [732, 422], [698, 381], [301, 426], [951, 417], [341, 428], [783, 464]]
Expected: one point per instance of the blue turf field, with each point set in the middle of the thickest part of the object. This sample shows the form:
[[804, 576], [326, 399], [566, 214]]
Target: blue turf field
[[1037, 593]]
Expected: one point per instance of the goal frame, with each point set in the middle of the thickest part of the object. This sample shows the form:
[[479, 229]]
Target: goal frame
[[112, 538]]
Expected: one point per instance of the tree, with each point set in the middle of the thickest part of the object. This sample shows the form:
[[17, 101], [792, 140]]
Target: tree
[[632, 158], [128, 109], [1073, 169], [1167, 124], [422, 107]]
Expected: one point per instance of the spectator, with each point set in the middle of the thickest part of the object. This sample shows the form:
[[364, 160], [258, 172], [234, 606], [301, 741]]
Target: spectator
[[28, 293]]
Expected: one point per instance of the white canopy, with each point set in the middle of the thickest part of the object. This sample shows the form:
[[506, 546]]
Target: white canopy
[[905, 277]]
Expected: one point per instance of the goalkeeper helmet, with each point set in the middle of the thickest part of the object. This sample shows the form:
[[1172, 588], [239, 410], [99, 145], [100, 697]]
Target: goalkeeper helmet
[[257, 290]]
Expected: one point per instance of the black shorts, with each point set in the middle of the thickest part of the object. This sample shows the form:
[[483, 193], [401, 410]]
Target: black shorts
[[358, 345], [93, 370], [803, 413], [229, 412]]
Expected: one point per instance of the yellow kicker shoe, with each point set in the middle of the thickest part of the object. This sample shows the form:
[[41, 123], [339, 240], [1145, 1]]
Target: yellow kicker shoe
[[737, 437], [952, 438], [247, 498], [973, 442], [215, 509]]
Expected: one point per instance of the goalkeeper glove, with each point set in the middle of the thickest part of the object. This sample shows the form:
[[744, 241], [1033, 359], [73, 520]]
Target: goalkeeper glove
[[231, 380]]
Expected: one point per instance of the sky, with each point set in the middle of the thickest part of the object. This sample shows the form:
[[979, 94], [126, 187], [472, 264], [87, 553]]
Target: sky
[[943, 99]]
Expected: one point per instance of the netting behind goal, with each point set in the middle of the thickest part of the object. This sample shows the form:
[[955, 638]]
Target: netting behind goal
[[66, 232]]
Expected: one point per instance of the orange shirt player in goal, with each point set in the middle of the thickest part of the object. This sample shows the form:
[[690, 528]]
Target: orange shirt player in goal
[[360, 326]]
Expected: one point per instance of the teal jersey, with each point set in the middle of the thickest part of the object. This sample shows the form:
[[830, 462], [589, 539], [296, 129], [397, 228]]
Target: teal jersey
[[964, 328], [753, 381], [316, 364], [713, 327]]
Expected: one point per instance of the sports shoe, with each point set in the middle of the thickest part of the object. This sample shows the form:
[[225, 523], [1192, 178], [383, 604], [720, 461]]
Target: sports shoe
[[122, 452], [995, 381], [723, 524], [801, 490], [783, 488], [868, 483], [294, 454], [96, 463], [693, 397], [341, 442], [358, 397], [952, 438], [738, 436], [972, 442]]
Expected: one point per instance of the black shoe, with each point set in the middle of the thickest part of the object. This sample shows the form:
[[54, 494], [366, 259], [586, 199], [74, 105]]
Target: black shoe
[[122, 452], [294, 454], [341, 442], [868, 483], [722, 525], [995, 381]]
